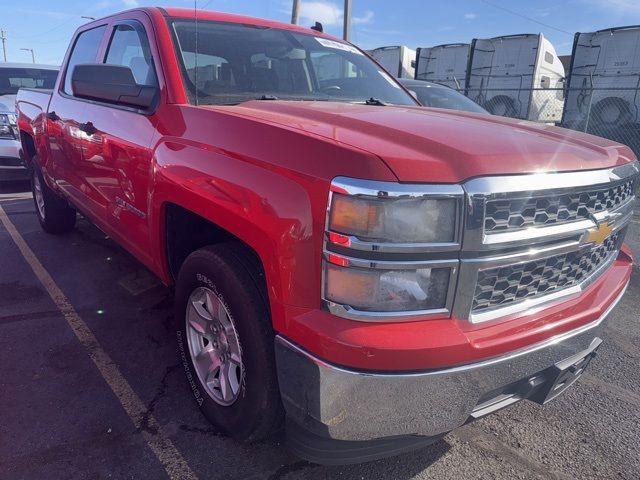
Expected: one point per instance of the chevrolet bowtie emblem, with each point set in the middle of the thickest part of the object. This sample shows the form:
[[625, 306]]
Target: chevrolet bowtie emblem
[[599, 234]]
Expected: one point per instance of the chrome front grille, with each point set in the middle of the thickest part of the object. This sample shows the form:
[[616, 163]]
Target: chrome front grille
[[520, 213], [521, 242], [533, 239], [497, 287]]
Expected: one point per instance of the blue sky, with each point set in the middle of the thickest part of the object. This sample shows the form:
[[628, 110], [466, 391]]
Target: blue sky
[[47, 25]]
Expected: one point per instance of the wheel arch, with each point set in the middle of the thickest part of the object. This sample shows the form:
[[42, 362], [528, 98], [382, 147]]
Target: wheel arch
[[29, 150], [279, 214]]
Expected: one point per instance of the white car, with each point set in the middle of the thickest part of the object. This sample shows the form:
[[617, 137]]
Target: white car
[[12, 77]]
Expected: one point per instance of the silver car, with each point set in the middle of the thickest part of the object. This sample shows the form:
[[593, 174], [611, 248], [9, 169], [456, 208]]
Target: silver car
[[12, 77]]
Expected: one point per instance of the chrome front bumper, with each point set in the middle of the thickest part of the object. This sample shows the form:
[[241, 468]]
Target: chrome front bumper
[[345, 405]]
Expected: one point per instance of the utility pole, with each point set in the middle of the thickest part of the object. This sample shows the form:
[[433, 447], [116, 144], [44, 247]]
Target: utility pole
[[346, 31], [33, 55], [4, 44], [295, 12]]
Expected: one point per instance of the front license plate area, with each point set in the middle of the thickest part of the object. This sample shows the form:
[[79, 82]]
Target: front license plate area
[[564, 374]]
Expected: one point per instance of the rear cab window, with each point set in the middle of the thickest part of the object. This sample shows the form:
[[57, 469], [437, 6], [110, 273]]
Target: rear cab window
[[12, 79]]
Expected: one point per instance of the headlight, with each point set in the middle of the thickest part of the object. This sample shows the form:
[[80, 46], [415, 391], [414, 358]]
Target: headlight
[[7, 123], [373, 290], [394, 220], [391, 250]]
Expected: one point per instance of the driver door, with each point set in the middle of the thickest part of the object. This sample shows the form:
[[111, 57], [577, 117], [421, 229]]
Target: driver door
[[118, 159]]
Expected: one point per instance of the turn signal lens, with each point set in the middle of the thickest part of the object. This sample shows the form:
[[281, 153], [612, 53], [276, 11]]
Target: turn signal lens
[[351, 214], [394, 220]]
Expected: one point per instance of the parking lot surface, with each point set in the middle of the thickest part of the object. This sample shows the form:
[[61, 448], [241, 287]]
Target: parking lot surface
[[93, 388]]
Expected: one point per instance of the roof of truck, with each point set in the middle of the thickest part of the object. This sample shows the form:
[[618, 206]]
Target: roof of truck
[[39, 66], [232, 18]]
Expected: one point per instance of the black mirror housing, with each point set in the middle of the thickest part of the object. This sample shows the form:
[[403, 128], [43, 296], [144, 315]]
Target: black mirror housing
[[113, 84]]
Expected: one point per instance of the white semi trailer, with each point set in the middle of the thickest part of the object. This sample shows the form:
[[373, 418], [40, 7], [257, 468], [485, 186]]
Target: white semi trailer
[[603, 94], [446, 64], [398, 60], [517, 76]]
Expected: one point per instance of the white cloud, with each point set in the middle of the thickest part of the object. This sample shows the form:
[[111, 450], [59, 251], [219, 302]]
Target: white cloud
[[620, 6], [470, 16], [328, 13], [542, 12], [131, 3], [366, 18]]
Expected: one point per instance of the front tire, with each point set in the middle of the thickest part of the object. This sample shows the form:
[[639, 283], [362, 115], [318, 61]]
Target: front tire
[[54, 213], [225, 341]]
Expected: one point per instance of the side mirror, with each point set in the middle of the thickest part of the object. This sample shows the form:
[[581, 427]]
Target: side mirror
[[111, 84]]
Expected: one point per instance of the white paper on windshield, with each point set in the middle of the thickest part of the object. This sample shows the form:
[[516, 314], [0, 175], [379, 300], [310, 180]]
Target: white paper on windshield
[[391, 81], [337, 45]]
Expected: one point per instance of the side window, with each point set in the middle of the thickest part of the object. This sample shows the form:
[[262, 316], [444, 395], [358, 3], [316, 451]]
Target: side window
[[129, 47], [545, 82], [84, 51]]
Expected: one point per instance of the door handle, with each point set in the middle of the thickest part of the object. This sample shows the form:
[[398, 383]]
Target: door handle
[[88, 128], [53, 116]]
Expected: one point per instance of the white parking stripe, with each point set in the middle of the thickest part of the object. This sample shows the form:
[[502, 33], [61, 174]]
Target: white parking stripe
[[173, 462]]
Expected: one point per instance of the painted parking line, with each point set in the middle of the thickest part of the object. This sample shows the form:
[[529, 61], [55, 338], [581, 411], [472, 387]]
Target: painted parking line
[[635, 221], [166, 452]]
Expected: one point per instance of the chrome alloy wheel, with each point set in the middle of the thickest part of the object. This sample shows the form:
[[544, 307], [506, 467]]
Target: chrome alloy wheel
[[214, 346], [37, 192]]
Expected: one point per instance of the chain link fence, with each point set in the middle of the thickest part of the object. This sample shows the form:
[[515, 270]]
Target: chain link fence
[[612, 113], [537, 105]]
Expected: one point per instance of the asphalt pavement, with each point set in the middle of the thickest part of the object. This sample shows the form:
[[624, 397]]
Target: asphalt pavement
[[95, 389]]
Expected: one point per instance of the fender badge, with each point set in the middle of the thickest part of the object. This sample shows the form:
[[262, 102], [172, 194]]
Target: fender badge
[[599, 234]]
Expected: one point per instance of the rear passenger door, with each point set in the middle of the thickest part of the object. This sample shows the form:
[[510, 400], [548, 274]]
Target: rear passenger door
[[119, 162]]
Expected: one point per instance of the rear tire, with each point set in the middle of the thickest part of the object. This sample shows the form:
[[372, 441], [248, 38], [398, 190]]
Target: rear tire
[[53, 212], [220, 290]]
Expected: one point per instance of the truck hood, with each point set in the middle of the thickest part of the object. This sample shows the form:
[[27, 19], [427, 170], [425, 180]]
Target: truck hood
[[435, 145], [7, 103]]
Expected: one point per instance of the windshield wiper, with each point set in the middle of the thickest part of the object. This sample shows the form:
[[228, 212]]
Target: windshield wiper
[[267, 97], [375, 101]]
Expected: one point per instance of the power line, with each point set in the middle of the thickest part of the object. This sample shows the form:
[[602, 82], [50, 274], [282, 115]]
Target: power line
[[499, 7], [70, 19]]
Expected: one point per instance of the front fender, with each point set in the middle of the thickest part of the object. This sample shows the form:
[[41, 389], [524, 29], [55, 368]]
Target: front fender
[[271, 212]]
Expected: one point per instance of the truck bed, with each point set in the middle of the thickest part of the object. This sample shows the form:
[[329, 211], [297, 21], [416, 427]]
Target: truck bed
[[32, 105]]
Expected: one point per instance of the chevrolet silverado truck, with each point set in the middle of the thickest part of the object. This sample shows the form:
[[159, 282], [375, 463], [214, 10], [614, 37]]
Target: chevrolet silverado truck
[[368, 273], [12, 77]]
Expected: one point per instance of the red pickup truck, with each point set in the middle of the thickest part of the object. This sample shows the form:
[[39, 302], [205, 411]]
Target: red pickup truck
[[370, 273]]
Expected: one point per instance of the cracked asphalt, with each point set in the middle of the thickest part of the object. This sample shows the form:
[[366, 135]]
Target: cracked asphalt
[[60, 419]]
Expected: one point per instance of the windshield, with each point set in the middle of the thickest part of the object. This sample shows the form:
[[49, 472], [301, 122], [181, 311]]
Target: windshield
[[443, 97], [236, 63], [11, 79]]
